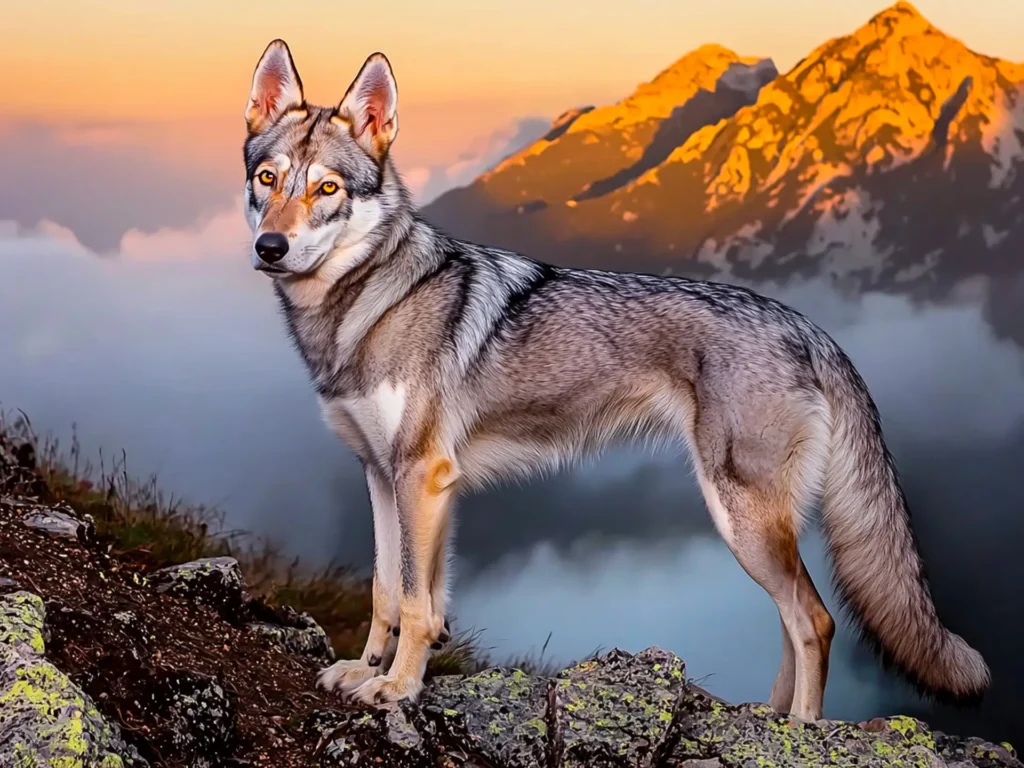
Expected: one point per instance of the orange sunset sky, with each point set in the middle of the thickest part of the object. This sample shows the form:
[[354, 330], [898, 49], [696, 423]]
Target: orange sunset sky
[[164, 83]]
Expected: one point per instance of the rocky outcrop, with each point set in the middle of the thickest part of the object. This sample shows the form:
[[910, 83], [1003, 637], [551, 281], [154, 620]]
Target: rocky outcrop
[[622, 710], [45, 719], [218, 583], [213, 581], [615, 710]]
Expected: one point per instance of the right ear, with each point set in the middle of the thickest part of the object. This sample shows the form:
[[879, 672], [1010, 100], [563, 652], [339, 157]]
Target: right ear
[[276, 88]]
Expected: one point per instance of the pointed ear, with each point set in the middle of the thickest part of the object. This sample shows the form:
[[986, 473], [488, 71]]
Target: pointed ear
[[371, 106], [276, 88]]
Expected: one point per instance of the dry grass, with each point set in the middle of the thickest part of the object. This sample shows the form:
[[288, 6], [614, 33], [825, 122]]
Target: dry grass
[[146, 526]]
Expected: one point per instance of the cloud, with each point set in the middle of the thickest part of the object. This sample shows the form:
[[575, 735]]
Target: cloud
[[211, 230], [103, 179], [481, 154], [100, 179], [218, 236]]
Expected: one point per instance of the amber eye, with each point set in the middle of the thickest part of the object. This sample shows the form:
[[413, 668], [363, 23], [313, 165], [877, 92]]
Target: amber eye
[[328, 188], [266, 178]]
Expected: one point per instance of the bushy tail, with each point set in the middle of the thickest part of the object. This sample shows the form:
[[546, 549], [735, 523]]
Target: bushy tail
[[878, 569]]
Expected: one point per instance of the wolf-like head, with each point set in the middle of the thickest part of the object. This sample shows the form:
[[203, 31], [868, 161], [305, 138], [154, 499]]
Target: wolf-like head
[[314, 174]]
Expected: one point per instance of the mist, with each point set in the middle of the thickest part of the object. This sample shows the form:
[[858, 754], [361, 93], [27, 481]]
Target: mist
[[176, 353]]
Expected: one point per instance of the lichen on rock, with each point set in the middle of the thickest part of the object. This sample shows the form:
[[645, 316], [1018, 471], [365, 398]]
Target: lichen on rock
[[621, 709], [45, 719], [753, 734], [617, 709], [377, 737], [499, 714], [290, 630], [214, 581], [203, 714]]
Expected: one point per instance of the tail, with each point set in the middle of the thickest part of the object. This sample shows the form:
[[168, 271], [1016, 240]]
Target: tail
[[878, 569]]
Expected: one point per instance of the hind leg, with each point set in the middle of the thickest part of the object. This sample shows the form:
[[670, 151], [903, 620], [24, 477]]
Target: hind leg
[[758, 526], [439, 586], [781, 698]]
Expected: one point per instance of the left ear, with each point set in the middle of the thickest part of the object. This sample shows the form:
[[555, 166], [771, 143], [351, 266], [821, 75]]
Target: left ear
[[371, 106]]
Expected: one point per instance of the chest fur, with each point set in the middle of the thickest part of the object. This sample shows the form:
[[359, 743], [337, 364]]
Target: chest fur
[[369, 424]]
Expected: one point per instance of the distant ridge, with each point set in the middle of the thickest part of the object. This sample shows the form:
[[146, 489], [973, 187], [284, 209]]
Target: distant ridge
[[890, 157]]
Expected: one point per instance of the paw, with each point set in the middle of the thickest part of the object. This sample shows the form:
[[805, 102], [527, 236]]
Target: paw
[[805, 716], [442, 631], [346, 676], [387, 690]]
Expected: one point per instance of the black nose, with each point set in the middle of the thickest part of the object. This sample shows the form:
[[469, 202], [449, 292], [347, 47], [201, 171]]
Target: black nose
[[271, 246]]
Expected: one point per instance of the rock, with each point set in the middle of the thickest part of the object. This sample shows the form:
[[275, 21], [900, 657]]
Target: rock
[[214, 581], [21, 625], [17, 468], [752, 734], [61, 523], [202, 715], [964, 753], [290, 630], [45, 719], [616, 709], [378, 737], [500, 715], [8, 585], [311, 641]]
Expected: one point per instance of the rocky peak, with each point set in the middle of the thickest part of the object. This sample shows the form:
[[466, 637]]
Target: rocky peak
[[592, 150], [872, 100], [898, 20], [701, 69]]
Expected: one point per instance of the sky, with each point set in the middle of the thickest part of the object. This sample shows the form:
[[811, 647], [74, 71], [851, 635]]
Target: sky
[[175, 75]]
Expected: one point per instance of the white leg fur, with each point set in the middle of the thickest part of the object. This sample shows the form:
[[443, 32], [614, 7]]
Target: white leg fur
[[349, 674]]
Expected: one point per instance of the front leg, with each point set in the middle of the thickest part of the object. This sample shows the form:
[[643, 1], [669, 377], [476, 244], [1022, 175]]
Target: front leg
[[425, 488], [348, 675]]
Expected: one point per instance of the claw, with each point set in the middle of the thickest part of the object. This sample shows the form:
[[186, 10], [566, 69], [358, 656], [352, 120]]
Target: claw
[[445, 635]]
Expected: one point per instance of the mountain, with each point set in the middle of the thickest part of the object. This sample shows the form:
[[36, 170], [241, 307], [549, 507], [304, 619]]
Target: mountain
[[890, 157]]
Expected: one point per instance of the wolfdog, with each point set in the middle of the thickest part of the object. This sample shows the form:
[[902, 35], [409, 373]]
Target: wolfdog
[[445, 365]]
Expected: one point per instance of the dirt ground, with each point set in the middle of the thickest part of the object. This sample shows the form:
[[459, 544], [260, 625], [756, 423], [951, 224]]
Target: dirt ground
[[137, 651]]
